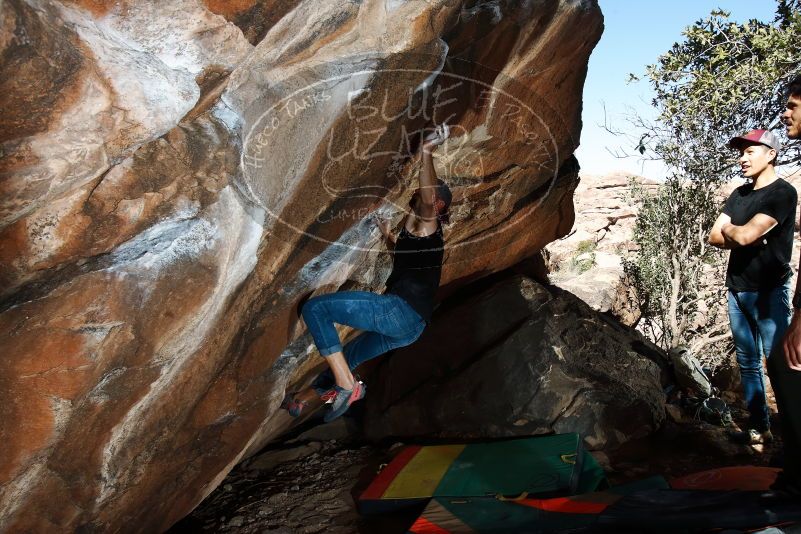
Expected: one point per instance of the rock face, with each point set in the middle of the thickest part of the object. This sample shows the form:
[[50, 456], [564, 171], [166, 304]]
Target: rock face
[[519, 359], [177, 177], [588, 261]]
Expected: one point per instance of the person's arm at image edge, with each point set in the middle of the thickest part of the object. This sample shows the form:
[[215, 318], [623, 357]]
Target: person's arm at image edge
[[792, 338]]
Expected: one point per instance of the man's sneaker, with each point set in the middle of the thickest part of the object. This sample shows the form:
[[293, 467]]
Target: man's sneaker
[[751, 436], [293, 405], [344, 398]]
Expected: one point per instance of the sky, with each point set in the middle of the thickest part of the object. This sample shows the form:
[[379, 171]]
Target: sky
[[636, 33]]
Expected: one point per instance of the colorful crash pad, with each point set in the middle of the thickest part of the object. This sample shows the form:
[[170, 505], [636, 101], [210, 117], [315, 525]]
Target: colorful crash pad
[[490, 515], [533, 516], [539, 466], [727, 497]]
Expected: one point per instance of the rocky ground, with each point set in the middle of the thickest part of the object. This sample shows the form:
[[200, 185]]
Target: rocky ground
[[306, 484]]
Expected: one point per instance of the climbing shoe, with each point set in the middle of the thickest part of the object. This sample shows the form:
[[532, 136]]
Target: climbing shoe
[[750, 436], [324, 384], [292, 405], [328, 396], [344, 398]]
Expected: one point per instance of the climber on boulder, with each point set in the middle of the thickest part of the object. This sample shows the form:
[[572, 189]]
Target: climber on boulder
[[390, 320]]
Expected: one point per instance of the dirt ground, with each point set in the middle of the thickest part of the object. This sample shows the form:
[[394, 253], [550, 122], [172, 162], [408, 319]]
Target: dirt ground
[[305, 484]]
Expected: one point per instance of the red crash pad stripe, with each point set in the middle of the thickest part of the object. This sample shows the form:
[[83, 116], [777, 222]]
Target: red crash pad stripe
[[380, 484], [565, 505], [743, 478], [424, 526]]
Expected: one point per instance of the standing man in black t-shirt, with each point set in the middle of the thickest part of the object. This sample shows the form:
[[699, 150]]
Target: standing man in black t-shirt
[[757, 224], [392, 320]]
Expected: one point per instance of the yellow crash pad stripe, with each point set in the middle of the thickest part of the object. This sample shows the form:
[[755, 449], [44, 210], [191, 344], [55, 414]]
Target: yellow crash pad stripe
[[423, 473]]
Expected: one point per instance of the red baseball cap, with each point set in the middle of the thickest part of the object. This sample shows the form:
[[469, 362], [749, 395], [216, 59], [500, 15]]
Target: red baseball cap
[[764, 137]]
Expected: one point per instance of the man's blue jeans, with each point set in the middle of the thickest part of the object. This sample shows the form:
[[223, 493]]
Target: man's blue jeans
[[758, 321], [388, 322]]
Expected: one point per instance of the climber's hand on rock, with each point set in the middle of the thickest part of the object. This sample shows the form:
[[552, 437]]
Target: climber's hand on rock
[[383, 225], [436, 138]]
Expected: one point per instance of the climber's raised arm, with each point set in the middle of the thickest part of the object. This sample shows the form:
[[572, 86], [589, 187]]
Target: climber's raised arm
[[428, 208], [427, 203]]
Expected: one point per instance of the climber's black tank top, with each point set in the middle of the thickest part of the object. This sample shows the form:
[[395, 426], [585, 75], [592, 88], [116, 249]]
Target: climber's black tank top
[[416, 269]]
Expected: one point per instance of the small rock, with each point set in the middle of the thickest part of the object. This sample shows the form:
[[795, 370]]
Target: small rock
[[295, 488], [270, 459], [228, 487], [276, 499], [338, 429], [674, 412]]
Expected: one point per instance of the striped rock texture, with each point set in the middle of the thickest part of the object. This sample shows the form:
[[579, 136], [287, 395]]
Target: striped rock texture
[[177, 176]]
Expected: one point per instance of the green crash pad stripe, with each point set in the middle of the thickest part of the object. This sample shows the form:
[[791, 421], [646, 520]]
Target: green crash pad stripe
[[520, 466]]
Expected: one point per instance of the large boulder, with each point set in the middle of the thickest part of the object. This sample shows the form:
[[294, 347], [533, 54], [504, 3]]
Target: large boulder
[[177, 177], [516, 359]]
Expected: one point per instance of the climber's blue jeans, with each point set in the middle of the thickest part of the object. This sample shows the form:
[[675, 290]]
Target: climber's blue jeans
[[758, 321], [388, 322]]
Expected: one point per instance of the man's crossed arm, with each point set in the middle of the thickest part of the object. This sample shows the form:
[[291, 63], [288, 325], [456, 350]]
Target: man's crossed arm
[[724, 234]]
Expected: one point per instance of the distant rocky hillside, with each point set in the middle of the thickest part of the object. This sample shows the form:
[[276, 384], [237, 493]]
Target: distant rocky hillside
[[588, 261]]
